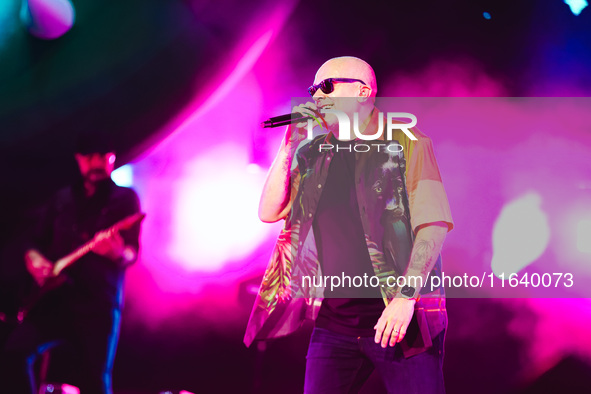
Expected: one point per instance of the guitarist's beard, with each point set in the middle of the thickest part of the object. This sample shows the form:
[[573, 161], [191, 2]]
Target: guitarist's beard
[[95, 175]]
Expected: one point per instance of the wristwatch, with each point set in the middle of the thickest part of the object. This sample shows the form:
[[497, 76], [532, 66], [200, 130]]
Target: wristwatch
[[408, 291]]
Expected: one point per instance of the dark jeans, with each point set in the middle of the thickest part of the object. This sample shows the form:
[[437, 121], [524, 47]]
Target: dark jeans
[[92, 332], [341, 364]]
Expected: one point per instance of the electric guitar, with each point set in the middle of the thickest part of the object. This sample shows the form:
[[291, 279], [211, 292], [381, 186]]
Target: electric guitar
[[55, 280]]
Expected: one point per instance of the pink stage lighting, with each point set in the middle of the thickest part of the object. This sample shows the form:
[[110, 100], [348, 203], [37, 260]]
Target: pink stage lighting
[[215, 212], [58, 388], [47, 19], [520, 235]]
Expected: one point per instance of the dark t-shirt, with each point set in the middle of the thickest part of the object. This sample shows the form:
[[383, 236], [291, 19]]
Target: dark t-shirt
[[342, 252], [70, 220]]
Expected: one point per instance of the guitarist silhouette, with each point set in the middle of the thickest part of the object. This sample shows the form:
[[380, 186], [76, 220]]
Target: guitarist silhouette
[[86, 238]]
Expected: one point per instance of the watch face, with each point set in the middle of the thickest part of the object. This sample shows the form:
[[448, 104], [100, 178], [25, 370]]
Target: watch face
[[408, 291]]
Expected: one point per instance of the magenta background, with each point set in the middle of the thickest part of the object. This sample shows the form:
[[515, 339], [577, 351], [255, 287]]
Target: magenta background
[[199, 175], [490, 151]]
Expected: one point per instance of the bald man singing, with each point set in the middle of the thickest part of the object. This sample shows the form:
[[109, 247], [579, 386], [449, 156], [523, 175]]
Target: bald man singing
[[365, 216]]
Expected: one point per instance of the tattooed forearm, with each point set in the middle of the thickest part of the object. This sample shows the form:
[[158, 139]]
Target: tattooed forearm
[[422, 257], [426, 249]]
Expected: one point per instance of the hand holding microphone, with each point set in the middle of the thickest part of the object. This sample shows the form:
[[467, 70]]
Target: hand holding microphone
[[299, 114], [305, 112], [275, 200]]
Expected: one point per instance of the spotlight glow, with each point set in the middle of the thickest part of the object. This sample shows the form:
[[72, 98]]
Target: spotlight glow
[[8, 24], [123, 176], [584, 236], [576, 6], [521, 234], [215, 210], [47, 19]]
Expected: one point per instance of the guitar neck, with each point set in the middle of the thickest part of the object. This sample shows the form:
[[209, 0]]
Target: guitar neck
[[71, 258]]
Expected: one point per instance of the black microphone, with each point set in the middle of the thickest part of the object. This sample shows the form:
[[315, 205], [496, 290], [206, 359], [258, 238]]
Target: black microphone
[[284, 120]]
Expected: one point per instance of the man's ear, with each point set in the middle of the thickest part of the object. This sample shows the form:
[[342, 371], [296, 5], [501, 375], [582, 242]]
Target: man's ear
[[364, 93]]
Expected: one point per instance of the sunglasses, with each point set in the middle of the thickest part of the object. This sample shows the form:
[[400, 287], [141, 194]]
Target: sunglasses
[[327, 86]]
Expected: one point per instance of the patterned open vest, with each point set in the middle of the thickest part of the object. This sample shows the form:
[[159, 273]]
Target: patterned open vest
[[398, 189]]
